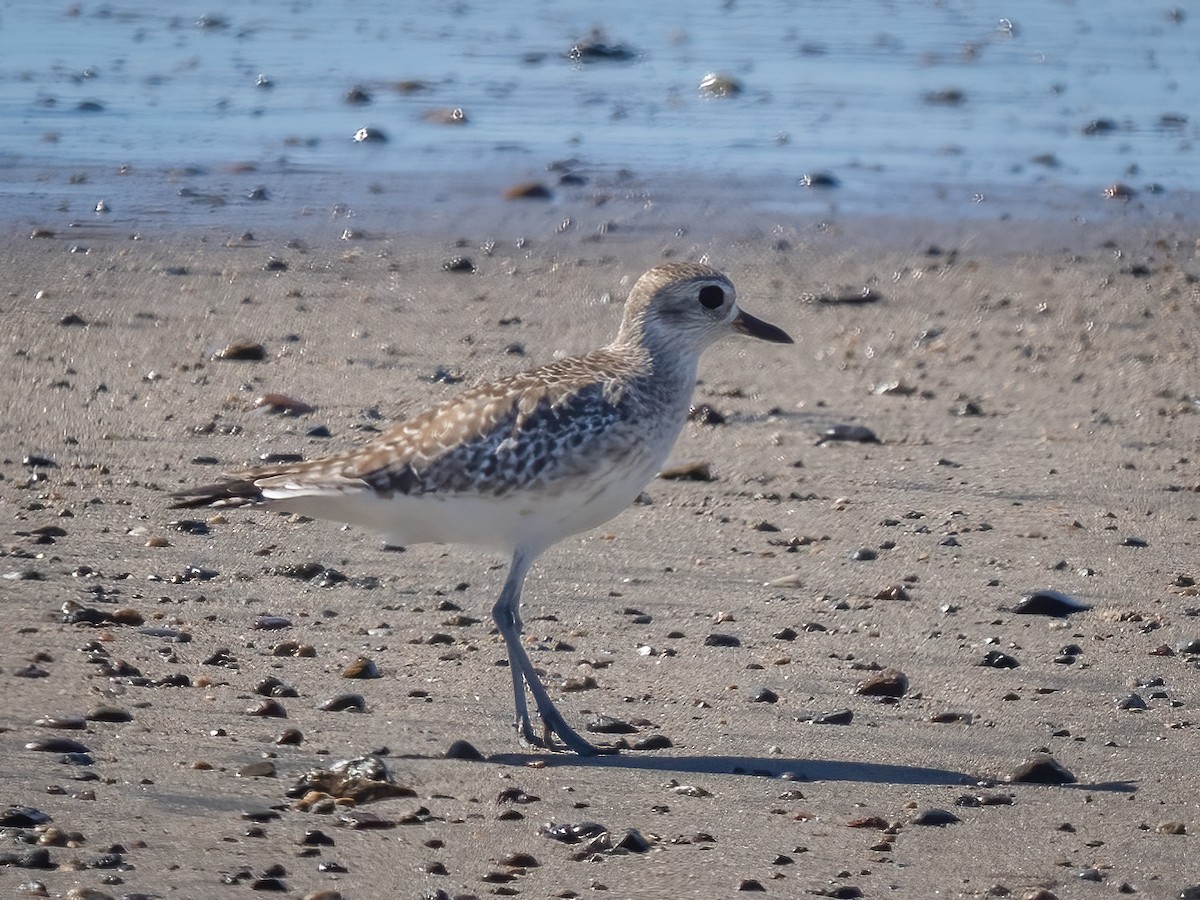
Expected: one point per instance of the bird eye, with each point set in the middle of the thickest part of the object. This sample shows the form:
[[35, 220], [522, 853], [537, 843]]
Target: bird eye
[[711, 296]]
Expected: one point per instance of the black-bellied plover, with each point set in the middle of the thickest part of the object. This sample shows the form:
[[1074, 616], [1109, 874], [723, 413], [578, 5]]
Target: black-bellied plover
[[523, 462]]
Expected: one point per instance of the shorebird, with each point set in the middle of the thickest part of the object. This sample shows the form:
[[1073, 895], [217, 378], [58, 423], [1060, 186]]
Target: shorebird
[[523, 462]]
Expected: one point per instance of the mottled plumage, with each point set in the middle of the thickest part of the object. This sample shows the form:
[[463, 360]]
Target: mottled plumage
[[522, 462]]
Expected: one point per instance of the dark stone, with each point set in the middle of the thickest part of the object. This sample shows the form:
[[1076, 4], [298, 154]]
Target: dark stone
[[1041, 769], [1049, 603], [994, 659], [722, 640], [934, 816]]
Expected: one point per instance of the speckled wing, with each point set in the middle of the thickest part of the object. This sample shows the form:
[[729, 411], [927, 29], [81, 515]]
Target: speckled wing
[[510, 434]]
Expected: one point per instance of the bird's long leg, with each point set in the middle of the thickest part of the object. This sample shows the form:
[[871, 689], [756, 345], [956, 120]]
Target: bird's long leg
[[507, 616]]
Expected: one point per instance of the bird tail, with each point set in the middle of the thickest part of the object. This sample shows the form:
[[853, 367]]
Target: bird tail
[[231, 492]]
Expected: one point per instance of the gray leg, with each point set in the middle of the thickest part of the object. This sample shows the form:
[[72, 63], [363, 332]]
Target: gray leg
[[507, 616]]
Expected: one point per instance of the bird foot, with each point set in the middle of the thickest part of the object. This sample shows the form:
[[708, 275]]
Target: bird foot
[[569, 742]]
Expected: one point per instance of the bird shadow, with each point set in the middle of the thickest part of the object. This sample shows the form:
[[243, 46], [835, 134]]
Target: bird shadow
[[753, 766], [812, 770]]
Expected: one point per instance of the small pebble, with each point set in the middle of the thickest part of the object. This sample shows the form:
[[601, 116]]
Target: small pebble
[[65, 723], [345, 703], [995, 659], [720, 86], [608, 725], [56, 745], [461, 749], [251, 351], [270, 709], [936, 817], [528, 190], [361, 668], [652, 742], [886, 683], [722, 640], [836, 717], [458, 264], [1041, 769], [1049, 603], [694, 471], [854, 433]]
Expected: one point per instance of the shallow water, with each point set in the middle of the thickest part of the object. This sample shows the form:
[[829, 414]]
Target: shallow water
[[942, 108]]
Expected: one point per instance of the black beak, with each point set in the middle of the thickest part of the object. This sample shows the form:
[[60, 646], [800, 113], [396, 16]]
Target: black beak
[[757, 328]]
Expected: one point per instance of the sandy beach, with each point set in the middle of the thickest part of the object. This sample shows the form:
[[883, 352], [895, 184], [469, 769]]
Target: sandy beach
[[1036, 410]]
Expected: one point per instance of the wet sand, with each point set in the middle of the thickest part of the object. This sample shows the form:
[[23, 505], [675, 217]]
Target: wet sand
[[1037, 416]]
